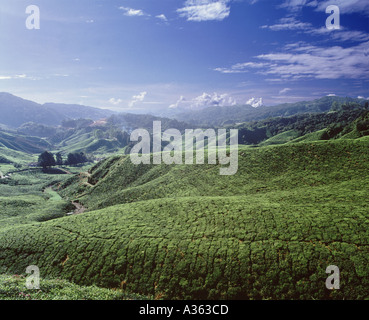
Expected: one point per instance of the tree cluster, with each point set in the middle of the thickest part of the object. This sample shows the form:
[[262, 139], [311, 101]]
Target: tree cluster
[[47, 159]]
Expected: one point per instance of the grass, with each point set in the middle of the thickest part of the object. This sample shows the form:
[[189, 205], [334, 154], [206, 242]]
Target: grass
[[185, 232]]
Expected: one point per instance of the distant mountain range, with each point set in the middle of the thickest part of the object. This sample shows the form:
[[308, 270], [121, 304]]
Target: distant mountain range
[[15, 111], [218, 116]]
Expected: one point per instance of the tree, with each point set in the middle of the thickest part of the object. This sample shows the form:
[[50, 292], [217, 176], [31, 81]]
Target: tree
[[46, 159], [76, 158], [59, 159]]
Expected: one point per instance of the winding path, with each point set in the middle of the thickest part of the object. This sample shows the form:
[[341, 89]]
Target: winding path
[[79, 208]]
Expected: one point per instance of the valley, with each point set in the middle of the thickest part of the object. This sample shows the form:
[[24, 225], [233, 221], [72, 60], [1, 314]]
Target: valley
[[297, 204]]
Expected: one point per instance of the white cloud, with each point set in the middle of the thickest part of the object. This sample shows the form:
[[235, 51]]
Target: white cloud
[[18, 76], [115, 102], [293, 5], [178, 104], [331, 95], [346, 6], [300, 60], [306, 61], [215, 99], [204, 101], [285, 90], [342, 34], [240, 67], [162, 17], [138, 98], [132, 12], [255, 102], [205, 10], [289, 23]]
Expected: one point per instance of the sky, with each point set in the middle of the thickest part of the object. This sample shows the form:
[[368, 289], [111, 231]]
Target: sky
[[173, 55]]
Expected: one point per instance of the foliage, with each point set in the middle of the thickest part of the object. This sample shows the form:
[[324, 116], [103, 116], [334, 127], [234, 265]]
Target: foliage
[[336, 124], [76, 158], [46, 159], [185, 232], [13, 287]]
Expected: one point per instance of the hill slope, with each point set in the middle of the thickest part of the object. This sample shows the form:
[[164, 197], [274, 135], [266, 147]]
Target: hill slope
[[269, 231], [22, 143]]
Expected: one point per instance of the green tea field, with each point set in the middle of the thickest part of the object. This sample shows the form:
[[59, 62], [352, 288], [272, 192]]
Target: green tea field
[[185, 232]]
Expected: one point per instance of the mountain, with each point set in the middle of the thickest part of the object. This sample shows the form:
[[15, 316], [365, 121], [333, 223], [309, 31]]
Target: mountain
[[15, 111], [218, 116], [76, 111]]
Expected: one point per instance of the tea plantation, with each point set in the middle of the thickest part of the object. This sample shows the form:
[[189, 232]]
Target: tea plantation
[[14, 288], [185, 232]]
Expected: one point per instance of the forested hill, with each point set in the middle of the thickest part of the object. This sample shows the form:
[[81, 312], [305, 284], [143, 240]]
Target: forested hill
[[342, 121], [218, 116]]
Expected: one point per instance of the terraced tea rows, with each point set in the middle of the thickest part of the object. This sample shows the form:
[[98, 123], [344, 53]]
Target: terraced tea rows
[[185, 232], [231, 247]]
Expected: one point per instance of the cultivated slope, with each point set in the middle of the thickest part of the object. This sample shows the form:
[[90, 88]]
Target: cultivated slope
[[270, 231]]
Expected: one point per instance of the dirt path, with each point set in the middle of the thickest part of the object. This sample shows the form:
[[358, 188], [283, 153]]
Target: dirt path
[[79, 208], [54, 196], [64, 170]]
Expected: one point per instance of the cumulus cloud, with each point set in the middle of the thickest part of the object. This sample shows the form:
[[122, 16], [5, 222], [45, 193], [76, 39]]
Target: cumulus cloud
[[180, 102], [138, 98], [115, 102], [331, 95], [203, 101], [162, 17], [205, 10], [211, 100], [255, 102], [132, 12]]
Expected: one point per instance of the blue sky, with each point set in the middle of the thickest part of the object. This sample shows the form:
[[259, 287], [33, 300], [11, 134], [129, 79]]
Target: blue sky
[[155, 56]]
